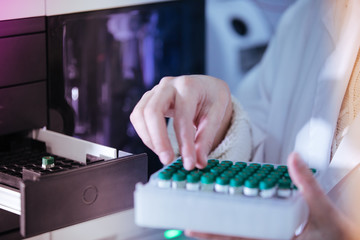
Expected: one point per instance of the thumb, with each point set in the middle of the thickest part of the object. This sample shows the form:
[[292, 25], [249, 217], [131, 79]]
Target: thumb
[[303, 178]]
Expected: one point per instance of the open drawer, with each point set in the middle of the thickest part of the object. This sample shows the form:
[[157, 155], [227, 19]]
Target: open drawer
[[89, 181]]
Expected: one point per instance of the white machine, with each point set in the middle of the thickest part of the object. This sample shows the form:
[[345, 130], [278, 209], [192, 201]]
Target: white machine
[[238, 32]]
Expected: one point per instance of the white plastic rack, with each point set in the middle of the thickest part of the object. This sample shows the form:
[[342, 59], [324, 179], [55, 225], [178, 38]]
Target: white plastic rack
[[238, 199]]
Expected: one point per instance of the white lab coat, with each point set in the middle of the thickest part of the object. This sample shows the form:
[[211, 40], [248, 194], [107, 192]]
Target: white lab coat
[[294, 95]]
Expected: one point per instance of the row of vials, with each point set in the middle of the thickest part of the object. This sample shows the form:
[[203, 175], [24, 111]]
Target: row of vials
[[249, 179]]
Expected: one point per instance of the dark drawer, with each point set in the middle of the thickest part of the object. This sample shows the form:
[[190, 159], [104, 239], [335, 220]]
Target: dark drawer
[[22, 59], [80, 195], [22, 107]]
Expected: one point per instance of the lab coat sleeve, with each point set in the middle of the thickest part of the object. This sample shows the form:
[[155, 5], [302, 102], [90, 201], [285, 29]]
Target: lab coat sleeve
[[236, 146]]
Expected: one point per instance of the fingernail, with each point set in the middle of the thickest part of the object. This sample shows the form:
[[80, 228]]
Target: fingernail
[[165, 157], [188, 163]]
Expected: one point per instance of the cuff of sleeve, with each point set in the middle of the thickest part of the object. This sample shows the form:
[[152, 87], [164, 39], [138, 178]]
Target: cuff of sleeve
[[237, 144]]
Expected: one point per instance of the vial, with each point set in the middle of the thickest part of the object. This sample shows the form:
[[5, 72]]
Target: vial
[[207, 182], [284, 188], [47, 162], [251, 187], [241, 164], [193, 182], [164, 179], [222, 184], [267, 188], [178, 180], [236, 185]]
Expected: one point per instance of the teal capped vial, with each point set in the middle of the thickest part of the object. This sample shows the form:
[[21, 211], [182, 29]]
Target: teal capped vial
[[164, 179], [284, 188], [47, 162], [282, 168], [193, 182], [251, 187], [268, 167], [241, 164], [178, 180], [213, 162], [207, 182], [236, 185], [222, 184], [256, 165], [267, 188], [226, 163]]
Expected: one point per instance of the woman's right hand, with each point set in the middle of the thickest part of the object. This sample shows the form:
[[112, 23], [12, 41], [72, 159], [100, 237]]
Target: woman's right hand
[[201, 108]]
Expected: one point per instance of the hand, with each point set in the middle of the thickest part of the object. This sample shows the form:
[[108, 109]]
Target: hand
[[201, 108], [325, 220]]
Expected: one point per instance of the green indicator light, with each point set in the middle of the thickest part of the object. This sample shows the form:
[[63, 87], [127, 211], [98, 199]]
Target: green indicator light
[[171, 234]]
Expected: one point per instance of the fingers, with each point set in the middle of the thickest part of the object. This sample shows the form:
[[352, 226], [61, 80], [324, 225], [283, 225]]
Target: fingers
[[148, 119], [198, 105], [319, 205]]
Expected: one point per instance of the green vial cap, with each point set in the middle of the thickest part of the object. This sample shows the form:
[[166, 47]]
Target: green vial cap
[[178, 177], [284, 183], [227, 163], [222, 180], [178, 165], [171, 168], [207, 178], [256, 165], [228, 173], [243, 174], [268, 166], [183, 170], [48, 160], [213, 162], [236, 168], [241, 164], [165, 175], [286, 175], [282, 168], [251, 183], [237, 182], [207, 168], [266, 184], [193, 178], [259, 176], [217, 170]]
